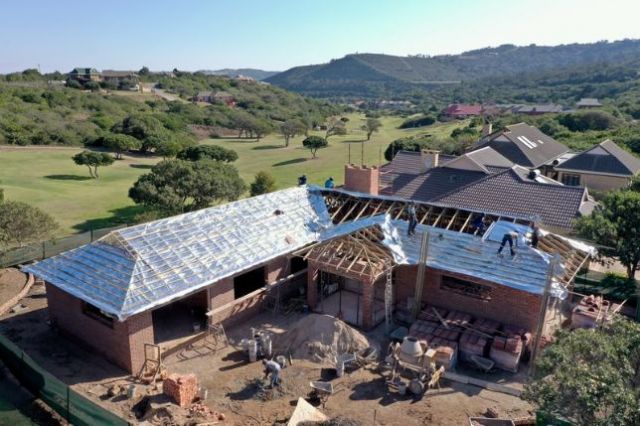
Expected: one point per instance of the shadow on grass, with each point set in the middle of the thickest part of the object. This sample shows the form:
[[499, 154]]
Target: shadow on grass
[[67, 177], [120, 216], [355, 141], [141, 166], [261, 147], [293, 161]]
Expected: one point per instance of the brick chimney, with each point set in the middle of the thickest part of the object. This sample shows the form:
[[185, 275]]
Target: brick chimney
[[486, 130], [361, 179], [431, 159]]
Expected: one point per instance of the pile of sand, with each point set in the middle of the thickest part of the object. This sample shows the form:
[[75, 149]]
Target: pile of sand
[[319, 338]]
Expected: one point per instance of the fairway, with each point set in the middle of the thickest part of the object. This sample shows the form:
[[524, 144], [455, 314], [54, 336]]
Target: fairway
[[48, 178]]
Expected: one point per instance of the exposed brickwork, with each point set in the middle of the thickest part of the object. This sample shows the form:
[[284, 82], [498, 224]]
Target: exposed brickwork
[[277, 269], [181, 388], [507, 305], [367, 305], [361, 179], [312, 285], [221, 293], [238, 310], [123, 344]]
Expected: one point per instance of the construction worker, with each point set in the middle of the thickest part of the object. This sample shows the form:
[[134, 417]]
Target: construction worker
[[534, 235], [413, 219], [329, 183], [302, 180], [509, 237], [272, 368], [478, 224]]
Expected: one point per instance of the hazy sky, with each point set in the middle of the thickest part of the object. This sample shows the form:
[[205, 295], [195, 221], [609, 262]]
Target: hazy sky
[[279, 34]]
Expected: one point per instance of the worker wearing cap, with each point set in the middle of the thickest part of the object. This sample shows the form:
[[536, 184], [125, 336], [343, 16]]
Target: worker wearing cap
[[272, 368], [329, 183]]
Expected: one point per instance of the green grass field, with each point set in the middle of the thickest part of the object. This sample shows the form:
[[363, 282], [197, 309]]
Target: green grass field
[[48, 178]]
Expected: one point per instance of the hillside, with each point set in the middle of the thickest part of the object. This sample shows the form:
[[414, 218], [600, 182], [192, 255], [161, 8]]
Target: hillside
[[248, 72], [41, 115], [378, 75]]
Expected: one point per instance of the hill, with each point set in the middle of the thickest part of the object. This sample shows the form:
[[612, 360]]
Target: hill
[[377, 75], [248, 72]]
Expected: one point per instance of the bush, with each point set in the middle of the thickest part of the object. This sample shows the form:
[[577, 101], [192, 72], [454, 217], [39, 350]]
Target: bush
[[588, 120], [423, 120]]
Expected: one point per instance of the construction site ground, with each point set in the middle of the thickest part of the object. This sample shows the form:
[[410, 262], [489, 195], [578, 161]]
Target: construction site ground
[[234, 385]]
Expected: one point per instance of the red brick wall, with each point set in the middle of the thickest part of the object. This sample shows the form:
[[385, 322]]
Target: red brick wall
[[238, 310], [123, 344], [221, 293], [277, 269], [361, 179], [507, 305]]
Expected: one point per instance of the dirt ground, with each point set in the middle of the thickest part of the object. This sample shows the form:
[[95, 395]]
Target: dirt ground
[[11, 282], [235, 386]]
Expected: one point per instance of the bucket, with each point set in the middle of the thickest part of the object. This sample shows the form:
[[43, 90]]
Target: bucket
[[340, 369], [402, 388], [253, 350]]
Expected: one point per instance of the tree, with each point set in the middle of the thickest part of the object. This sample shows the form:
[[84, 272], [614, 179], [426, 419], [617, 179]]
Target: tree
[[147, 129], [263, 184], [314, 143], [591, 377], [144, 71], [119, 143], [371, 125], [208, 152], [169, 148], [336, 127], [177, 186], [22, 224], [292, 128], [93, 160], [615, 225]]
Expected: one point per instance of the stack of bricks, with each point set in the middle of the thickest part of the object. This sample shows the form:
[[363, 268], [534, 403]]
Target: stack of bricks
[[507, 349], [427, 314], [458, 319], [589, 312], [446, 352], [423, 330], [472, 343], [181, 388]]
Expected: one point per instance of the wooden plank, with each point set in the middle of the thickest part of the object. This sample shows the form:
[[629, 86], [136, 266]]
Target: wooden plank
[[492, 386]]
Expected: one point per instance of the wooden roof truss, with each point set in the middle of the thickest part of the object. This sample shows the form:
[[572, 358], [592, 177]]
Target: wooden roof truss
[[572, 258], [358, 255]]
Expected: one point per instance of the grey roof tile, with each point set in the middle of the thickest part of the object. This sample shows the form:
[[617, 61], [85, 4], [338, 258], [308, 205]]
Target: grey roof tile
[[606, 157]]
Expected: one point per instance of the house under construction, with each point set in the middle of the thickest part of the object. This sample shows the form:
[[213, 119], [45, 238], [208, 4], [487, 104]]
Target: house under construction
[[348, 252]]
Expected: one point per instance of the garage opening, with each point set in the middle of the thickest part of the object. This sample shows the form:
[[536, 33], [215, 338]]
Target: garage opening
[[298, 264], [249, 282], [181, 319]]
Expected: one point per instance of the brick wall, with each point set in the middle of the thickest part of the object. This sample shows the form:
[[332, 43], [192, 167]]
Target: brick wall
[[507, 305], [277, 269], [123, 344], [221, 293], [361, 179]]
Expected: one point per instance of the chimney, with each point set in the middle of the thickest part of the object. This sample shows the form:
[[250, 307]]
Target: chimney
[[431, 159], [486, 130], [361, 179]]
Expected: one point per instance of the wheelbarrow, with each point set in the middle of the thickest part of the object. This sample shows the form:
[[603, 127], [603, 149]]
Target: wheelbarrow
[[481, 363], [320, 391], [366, 356]]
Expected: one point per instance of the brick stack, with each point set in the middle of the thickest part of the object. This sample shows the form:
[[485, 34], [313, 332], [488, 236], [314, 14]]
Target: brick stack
[[589, 312], [507, 349], [458, 319], [183, 389], [473, 344], [446, 352], [423, 330]]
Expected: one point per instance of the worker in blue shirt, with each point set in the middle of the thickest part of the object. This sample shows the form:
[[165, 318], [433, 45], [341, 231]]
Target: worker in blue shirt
[[329, 183]]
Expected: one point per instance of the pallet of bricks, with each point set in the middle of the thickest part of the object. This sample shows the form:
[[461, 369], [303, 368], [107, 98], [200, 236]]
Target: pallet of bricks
[[454, 334]]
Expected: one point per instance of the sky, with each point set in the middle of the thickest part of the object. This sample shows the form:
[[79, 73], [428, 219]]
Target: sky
[[279, 34]]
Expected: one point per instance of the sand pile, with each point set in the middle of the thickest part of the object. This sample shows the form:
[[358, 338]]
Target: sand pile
[[319, 338]]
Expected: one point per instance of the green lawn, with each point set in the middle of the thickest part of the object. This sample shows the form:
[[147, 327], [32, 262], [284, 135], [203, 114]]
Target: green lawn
[[49, 179]]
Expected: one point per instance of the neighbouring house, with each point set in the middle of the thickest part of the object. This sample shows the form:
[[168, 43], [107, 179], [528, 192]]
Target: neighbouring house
[[162, 282], [480, 180], [524, 145], [461, 111], [119, 77], [85, 75], [537, 109], [224, 98], [588, 103], [203, 96], [604, 167]]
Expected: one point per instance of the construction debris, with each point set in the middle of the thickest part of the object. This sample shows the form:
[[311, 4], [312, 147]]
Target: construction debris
[[181, 388], [321, 338], [590, 312], [198, 409]]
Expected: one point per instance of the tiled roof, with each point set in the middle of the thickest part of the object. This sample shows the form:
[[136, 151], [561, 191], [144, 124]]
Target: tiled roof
[[429, 185], [588, 102], [463, 109], [510, 192], [525, 145], [606, 157]]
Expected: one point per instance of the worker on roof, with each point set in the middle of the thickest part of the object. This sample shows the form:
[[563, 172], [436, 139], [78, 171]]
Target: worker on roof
[[478, 225], [329, 183], [302, 180], [509, 237], [413, 219], [535, 235], [272, 368]]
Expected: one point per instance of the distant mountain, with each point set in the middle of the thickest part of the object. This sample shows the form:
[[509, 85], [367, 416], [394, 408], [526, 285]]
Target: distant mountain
[[248, 72], [377, 75]]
